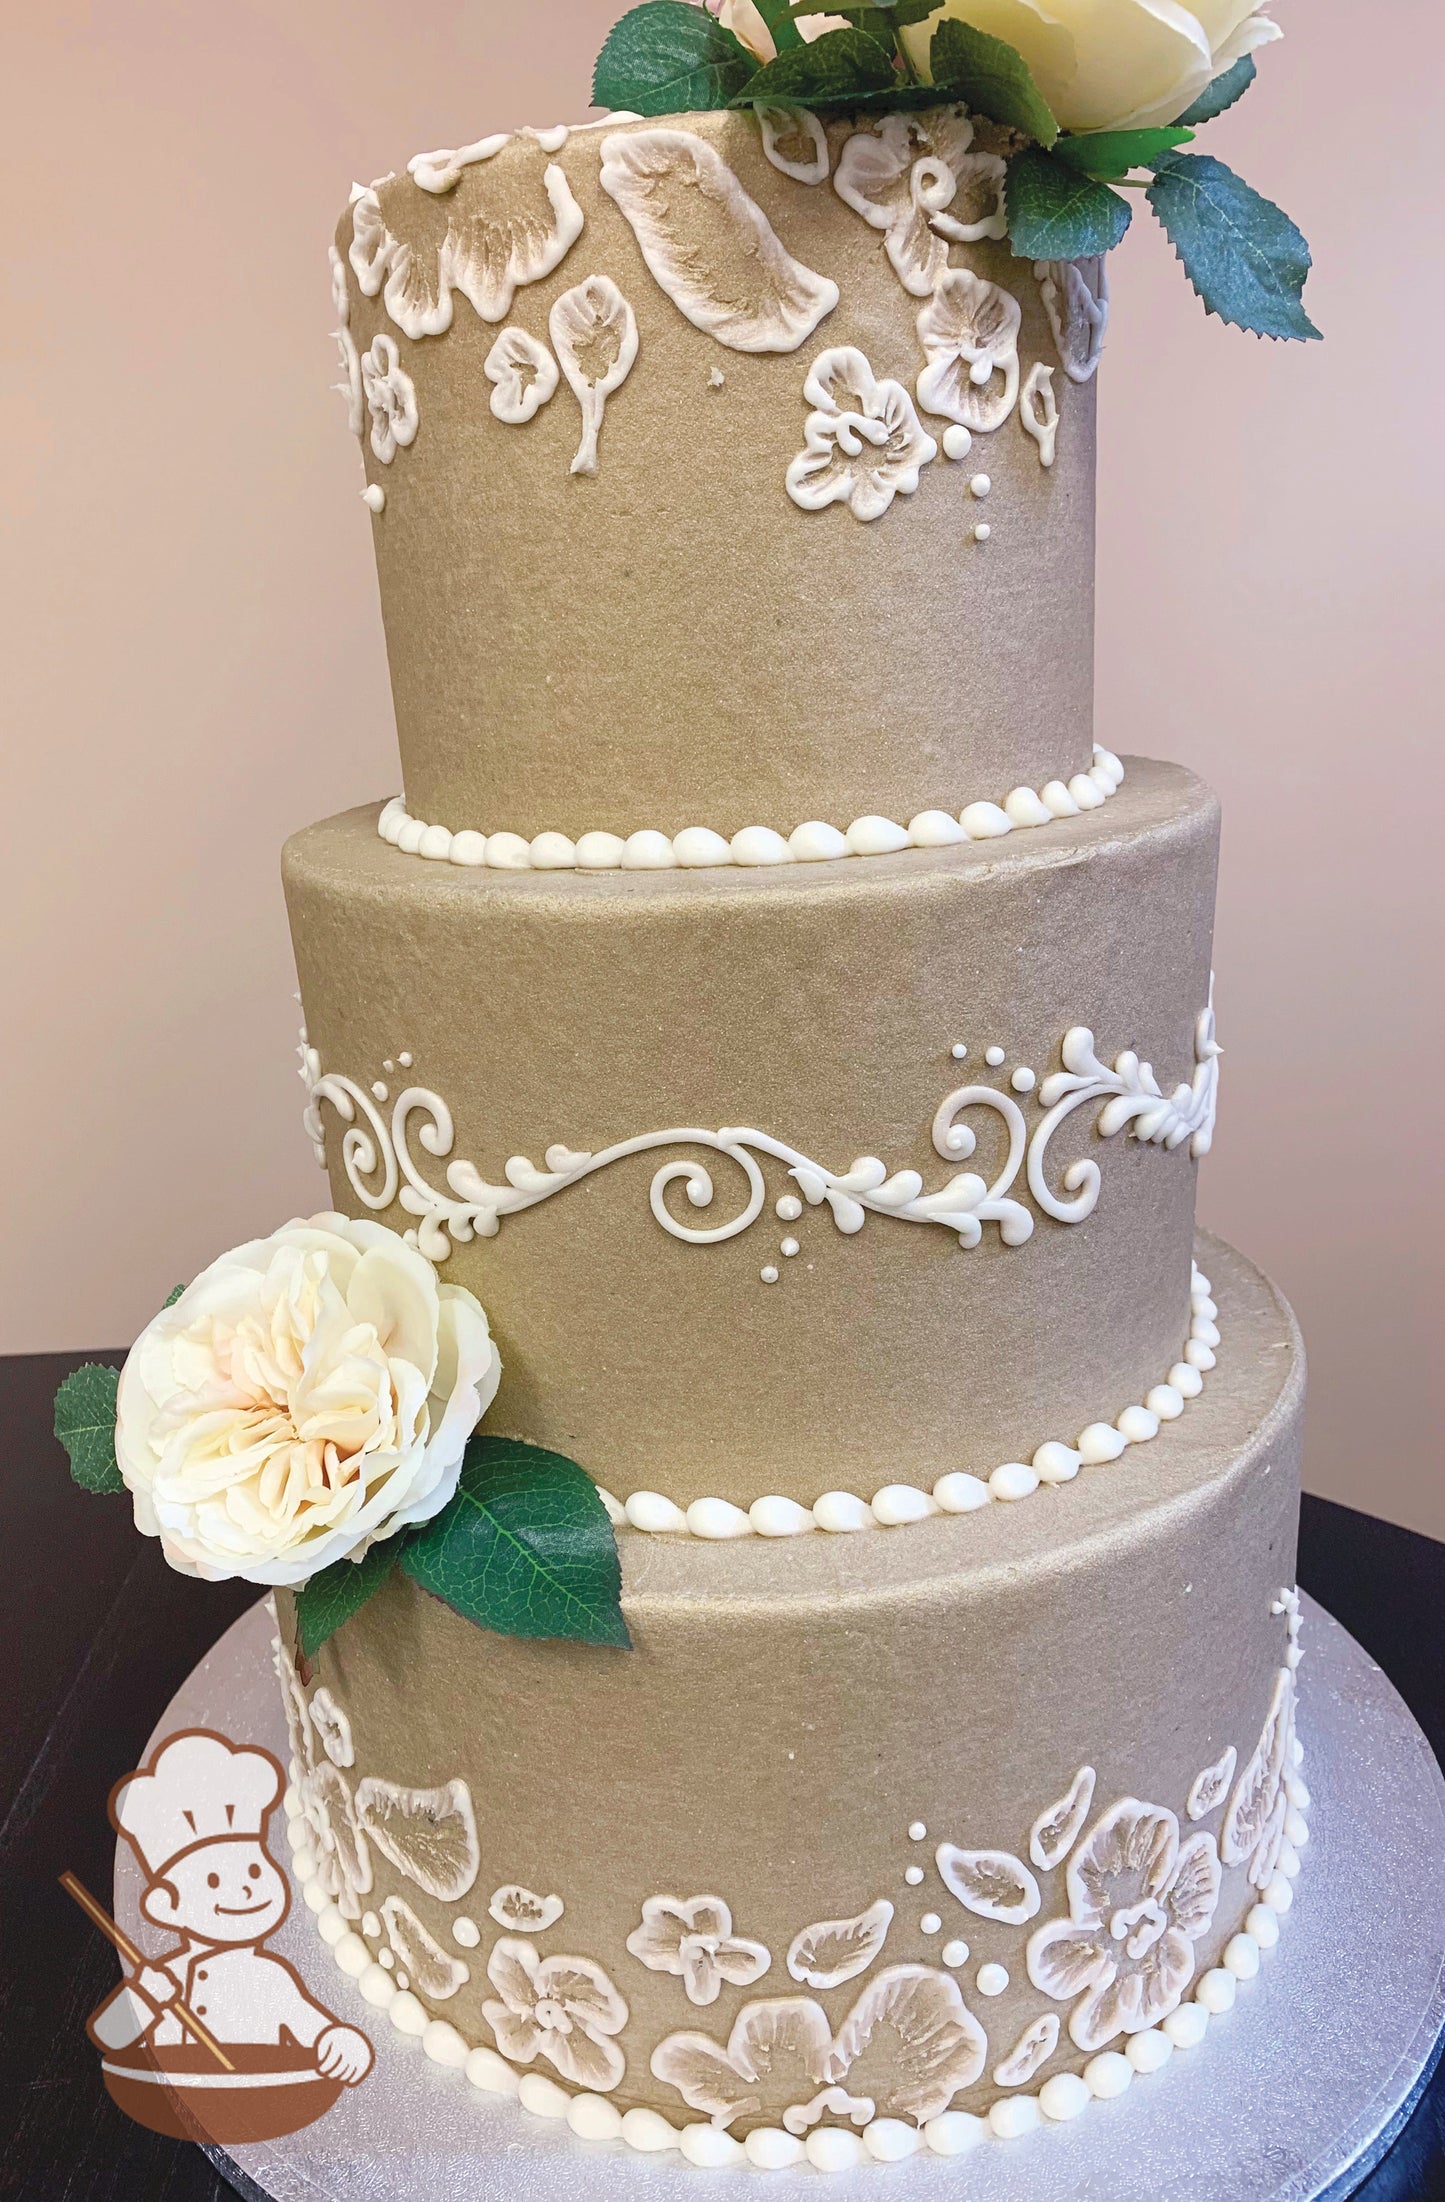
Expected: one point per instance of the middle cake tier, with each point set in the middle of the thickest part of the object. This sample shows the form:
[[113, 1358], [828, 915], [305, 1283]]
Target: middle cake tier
[[842, 1175]]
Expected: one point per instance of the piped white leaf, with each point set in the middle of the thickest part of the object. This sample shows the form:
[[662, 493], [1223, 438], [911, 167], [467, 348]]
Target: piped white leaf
[[430, 1835], [432, 1969], [795, 142], [1039, 411], [594, 331], [524, 372], [1210, 1786], [333, 1727], [523, 1911], [1056, 1829], [508, 225], [1034, 2047], [992, 1883], [1076, 299], [834, 1950], [709, 246]]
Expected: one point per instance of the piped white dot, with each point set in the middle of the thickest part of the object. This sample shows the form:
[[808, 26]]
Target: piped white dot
[[930, 1923], [957, 442], [388, 1065], [405, 1060], [790, 1248], [466, 1932], [982, 532], [788, 1209], [1023, 1080], [917, 1833], [955, 1953], [980, 485], [958, 1051], [769, 1273], [374, 497], [991, 1980], [384, 1957], [913, 1875], [993, 1056], [379, 1090]]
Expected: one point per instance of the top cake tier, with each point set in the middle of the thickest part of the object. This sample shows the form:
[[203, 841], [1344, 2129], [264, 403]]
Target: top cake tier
[[725, 472]]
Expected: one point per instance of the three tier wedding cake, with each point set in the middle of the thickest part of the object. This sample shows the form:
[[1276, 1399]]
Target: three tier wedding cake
[[842, 1702]]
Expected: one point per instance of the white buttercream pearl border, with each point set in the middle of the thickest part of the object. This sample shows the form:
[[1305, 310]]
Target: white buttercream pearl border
[[827, 2148], [699, 848], [957, 1492]]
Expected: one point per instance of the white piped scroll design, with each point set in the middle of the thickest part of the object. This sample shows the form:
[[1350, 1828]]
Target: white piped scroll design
[[381, 1167]]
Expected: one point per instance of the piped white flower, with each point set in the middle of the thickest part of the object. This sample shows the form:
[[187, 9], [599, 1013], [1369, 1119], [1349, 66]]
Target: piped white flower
[[562, 2008], [506, 226], [916, 180], [343, 1868], [863, 443], [1252, 1833], [693, 1937], [969, 330], [524, 374], [523, 1910], [390, 398], [1138, 1904], [430, 1835]]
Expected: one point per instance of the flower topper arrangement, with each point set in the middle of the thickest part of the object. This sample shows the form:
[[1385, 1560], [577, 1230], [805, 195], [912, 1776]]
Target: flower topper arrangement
[[303, 1415], [1097, 98]]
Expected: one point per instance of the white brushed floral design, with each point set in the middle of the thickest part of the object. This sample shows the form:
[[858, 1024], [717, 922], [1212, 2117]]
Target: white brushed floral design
[[352, 385], [390, 398], [906, 178], [513, 223], [433, 1971], [562, 2008], [1138, 1904], [594, 331], [906, 2047], [693, 1937], [992, 1883], [863, 442], [709, 246], [1056, 1829], [834, 1950], [430, 1835], [343, 1860], [1075, 295], [382, 1168], [523, 374], [969, 330]]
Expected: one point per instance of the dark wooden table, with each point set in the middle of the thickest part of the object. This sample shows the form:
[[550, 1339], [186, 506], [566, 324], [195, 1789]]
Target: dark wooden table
[[96, 1635]]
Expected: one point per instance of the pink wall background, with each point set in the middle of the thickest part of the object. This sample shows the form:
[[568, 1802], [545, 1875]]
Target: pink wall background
[[193, 660]]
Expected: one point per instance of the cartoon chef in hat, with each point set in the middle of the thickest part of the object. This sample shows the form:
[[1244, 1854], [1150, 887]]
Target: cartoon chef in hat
[[195, 1817]]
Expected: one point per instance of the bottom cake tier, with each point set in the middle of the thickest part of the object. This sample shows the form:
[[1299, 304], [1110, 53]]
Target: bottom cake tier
[[870, 1839]]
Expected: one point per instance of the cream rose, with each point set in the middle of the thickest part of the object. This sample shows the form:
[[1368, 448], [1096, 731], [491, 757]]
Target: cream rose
[[308, 1395], [1112, 64], [742, 18]]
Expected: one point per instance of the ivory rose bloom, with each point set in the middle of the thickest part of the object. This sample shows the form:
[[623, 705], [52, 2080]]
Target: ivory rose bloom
[[742, 18], [308, 1395], [1113, 64]]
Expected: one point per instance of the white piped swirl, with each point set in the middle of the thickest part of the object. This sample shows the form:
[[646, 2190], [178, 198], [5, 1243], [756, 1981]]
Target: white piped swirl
[[698, 848]]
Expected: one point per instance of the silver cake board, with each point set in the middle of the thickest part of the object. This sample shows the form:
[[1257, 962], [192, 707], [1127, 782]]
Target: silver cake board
[[1294, 2097]]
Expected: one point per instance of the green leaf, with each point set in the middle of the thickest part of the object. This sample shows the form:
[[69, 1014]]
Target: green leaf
[[991, 79], [881, 21], [778, 16], [1114, 152], [1056, 214], [174, 1294], [669, 58], [1222, 93], [85, 1426], [1245, 259], [839, 66], [341, 1590], [524, 1548]]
